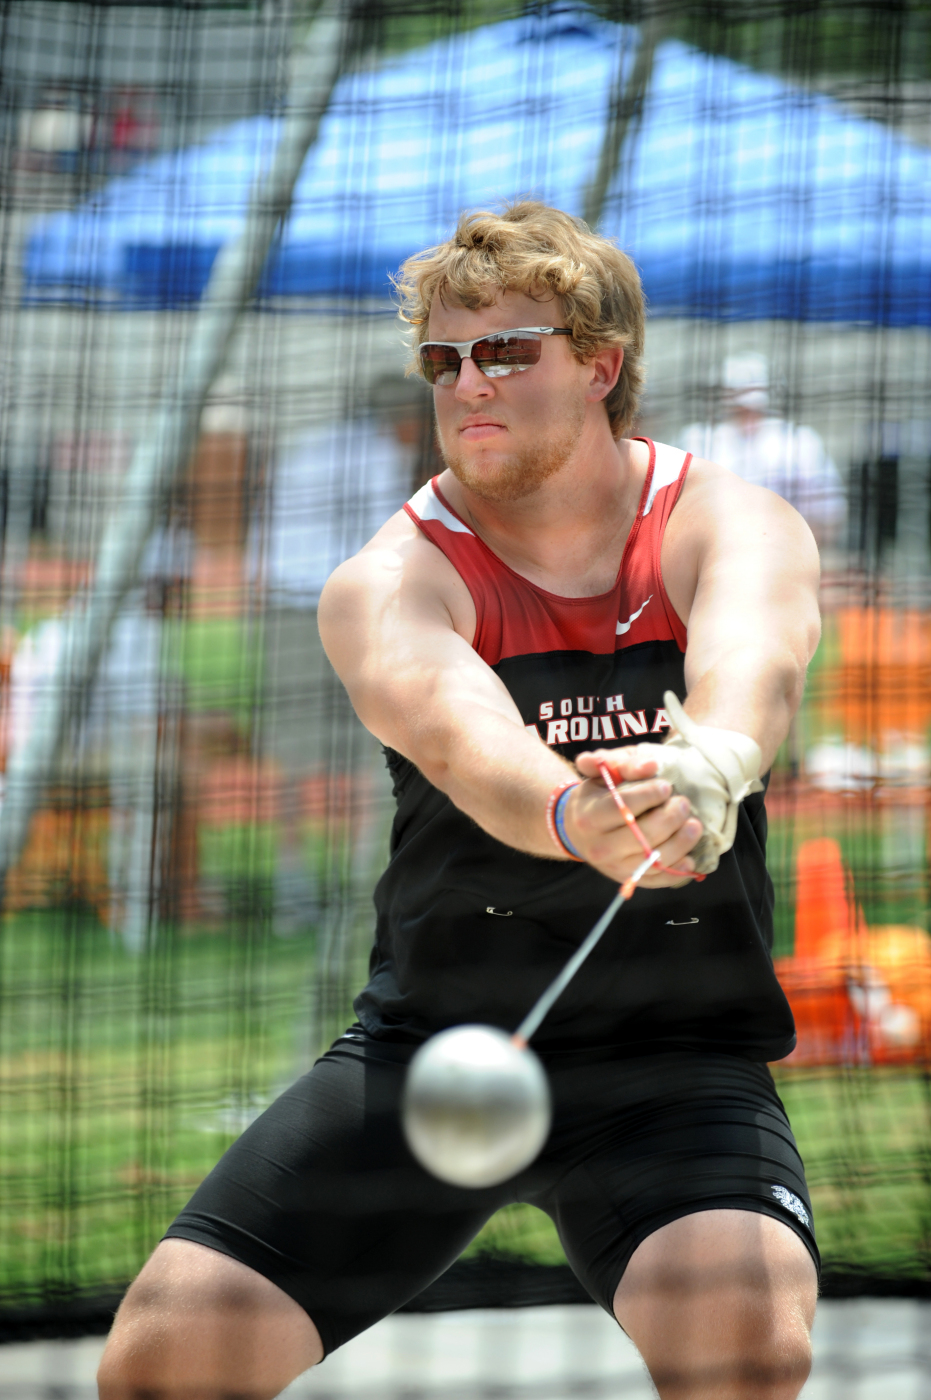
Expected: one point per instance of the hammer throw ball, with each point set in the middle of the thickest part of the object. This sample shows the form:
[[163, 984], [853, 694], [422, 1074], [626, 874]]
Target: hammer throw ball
[[476, 1107]]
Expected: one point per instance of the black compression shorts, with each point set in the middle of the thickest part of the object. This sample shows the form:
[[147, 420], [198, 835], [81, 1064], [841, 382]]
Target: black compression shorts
[[322, 1196]]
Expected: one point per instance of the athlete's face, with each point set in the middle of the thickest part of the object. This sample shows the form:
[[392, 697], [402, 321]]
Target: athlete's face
[[503, 437]]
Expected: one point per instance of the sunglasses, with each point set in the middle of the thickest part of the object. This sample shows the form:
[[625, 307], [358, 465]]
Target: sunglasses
[[505, 352]]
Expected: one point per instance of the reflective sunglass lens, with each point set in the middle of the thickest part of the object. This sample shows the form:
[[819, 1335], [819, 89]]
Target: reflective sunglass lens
[[439, 363], [495, 356], [503, 354]]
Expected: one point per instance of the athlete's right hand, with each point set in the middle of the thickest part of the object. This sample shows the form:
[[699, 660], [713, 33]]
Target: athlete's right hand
[[600, 834]]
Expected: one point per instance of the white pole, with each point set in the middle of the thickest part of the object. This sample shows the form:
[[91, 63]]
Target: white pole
[[165, 449]]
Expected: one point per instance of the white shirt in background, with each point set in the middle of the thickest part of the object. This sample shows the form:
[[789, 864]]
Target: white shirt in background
[[785, 457], [331, 491]]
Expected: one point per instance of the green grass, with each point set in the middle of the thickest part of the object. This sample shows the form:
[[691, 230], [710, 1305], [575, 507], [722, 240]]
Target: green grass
[[220, 661], [865, 1137], [122, 1080]]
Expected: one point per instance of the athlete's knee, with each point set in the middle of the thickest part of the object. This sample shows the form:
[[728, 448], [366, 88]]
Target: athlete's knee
[[791, 1359], [197, 1325], [747, 1356], [772, 1361], [765, 1371], [136, 1354], [781, 1338], [120, 1376], [721, 1305]]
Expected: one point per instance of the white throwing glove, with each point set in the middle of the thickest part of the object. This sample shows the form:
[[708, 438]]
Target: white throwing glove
[[715, 769]]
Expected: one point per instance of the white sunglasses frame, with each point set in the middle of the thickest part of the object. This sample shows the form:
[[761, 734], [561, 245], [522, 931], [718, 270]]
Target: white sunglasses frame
[[464, 350]]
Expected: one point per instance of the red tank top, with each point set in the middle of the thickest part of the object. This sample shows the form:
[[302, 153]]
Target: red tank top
[[515, 616], [683, 967]]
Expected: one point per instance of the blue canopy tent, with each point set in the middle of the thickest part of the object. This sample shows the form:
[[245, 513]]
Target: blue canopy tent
[[739, 196]]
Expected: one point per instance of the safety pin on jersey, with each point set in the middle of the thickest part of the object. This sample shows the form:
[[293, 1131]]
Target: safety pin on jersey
[[501, 913], [554, 991], [532, 1020], [680, 923]]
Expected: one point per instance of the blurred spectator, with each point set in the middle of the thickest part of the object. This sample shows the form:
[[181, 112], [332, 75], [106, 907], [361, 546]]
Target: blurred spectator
[[329, 493], [130, 720], [33, 660], [46, 584], [134, 127], [334, 487], [82, 485], [53, 135], [331, 490], [770, 451]]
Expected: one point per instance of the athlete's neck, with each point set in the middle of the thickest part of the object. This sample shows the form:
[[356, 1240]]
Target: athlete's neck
[[568, 535]]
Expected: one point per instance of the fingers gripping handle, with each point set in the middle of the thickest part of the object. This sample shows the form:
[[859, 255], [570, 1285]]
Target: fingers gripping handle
[[630, 819]]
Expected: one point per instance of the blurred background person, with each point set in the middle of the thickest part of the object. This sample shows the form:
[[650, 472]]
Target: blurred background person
[[768, 450], [330, 490], [53, 135], [133, 128], [333, 487]]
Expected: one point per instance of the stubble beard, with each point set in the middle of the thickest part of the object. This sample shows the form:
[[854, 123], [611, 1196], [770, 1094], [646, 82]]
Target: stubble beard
[[520, 474]]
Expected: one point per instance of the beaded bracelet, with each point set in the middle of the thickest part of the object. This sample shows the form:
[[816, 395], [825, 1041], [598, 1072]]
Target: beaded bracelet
[[555, 817]]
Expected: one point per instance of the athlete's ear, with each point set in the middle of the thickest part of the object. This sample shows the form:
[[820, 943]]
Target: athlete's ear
[[604, 368]]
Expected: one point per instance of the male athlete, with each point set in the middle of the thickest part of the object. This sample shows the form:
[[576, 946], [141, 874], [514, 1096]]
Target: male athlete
[[526, 613]]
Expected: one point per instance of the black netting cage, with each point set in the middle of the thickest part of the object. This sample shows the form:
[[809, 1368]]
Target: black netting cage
[[205, 410]]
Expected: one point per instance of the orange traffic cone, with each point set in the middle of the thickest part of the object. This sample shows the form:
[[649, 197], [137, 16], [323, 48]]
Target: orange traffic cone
[[822, 909], [815, 978]]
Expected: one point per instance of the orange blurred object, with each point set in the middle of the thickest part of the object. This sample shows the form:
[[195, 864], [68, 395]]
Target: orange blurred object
[[63, 861], [883, 684], [822, 908], [888, 971], [814, 981], [857, 993], [825, 1021]]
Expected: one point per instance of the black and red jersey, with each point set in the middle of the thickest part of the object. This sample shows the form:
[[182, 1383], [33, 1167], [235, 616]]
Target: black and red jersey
[[471, 930]]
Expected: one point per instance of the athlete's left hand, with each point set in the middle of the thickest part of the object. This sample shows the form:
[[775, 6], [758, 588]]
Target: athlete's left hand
[[600, 834], [714, 768]]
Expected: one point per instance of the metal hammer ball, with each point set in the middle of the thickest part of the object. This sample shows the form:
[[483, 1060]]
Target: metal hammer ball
[[476, 1107]]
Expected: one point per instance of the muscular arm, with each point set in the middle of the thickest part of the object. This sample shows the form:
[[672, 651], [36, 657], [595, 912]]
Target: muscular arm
[[397, 622], [740, 567], [753, 621]]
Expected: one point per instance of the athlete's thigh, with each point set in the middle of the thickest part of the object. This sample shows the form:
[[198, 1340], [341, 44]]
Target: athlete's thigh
[[196, 1323], [721, 1302], [650, 1140], [322, 1196]]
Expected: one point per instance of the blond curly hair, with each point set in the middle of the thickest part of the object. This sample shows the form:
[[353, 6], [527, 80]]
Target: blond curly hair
[[530, 247]]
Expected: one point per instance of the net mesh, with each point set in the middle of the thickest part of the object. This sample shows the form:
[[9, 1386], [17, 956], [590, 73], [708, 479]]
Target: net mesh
[[190, 916]]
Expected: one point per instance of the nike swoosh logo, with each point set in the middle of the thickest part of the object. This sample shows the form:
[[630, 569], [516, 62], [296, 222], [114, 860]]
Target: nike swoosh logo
[[623, 627]]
